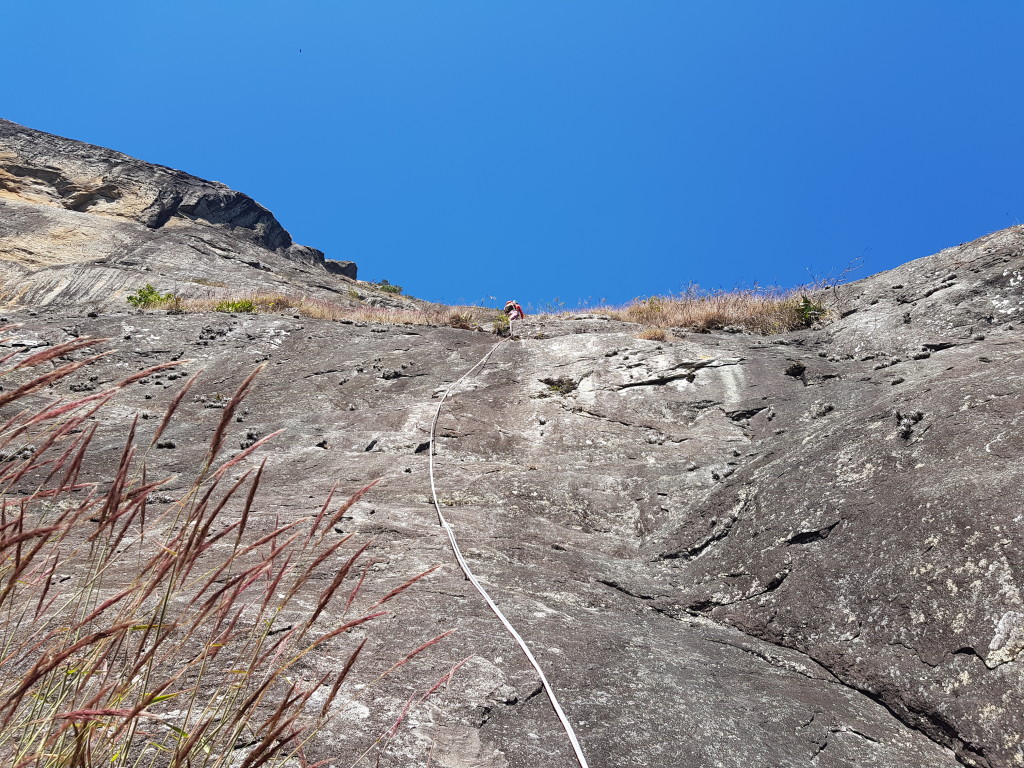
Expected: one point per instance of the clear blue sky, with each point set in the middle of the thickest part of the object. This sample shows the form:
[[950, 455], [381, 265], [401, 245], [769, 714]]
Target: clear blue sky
[[558, 148]]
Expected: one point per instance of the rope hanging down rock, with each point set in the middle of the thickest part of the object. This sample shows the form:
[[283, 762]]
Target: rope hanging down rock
[[473, 580]]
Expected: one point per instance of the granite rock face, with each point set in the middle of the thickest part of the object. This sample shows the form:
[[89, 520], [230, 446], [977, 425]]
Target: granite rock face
[[87, 224], [725, 549]]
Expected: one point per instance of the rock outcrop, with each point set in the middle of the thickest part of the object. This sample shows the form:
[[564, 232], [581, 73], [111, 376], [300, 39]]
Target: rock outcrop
[[87, 224], [726, 549]]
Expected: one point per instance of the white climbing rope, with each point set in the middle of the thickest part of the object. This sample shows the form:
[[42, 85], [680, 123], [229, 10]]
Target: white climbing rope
[[473, 580]]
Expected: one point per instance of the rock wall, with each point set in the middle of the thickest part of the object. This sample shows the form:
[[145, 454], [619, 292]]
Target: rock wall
[[84, 223], [726, 549]]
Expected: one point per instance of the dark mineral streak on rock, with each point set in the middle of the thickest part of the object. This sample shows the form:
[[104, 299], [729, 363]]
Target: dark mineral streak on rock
[[721, 569]]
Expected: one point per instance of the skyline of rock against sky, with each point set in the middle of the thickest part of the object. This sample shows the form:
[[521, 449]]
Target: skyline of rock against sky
[[582, 150], [726, 548]]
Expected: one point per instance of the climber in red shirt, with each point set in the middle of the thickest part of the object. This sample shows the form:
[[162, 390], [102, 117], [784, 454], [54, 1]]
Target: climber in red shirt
[[513, 310]]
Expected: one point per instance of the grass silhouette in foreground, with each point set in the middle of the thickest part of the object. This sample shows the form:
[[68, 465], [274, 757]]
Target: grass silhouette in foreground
[[131, 637]]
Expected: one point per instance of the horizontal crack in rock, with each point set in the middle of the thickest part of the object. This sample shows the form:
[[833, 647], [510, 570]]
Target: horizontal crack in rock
[[698, 549], [620, 588], [809, 537], [775, 662]]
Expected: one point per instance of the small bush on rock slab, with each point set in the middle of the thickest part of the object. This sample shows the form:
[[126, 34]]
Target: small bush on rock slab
[[148, 297], [387, 287], [501, 324], [239, 305], [809, 311], [561, 385]]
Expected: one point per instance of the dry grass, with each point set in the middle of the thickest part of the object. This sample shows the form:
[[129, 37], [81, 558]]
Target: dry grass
[[756, 311], [135, 637], [321, 309], [653, 334]]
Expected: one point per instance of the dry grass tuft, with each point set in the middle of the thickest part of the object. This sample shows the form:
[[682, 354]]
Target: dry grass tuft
[[176, 638], [320, 309], [756, 311], [653, 334]]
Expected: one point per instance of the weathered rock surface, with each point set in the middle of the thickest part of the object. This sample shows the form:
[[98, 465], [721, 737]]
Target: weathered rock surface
[[726, 550], [87, 224]]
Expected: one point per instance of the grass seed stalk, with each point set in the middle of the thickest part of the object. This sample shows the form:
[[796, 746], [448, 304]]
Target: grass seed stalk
[[129, 638]]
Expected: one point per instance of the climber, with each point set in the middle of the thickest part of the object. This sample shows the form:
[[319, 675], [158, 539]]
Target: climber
[[513, 310]]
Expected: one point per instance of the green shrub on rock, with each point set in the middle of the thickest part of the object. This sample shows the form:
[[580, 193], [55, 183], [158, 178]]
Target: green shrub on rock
[[236, 305], [149, 297], [809, 311]]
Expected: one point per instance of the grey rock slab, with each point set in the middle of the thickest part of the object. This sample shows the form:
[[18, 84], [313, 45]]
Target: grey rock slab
[[726, 549], [974, 289], [558, 525]]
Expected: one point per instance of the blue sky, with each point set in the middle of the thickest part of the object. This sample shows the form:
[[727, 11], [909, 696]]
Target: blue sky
[[558, 149]]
